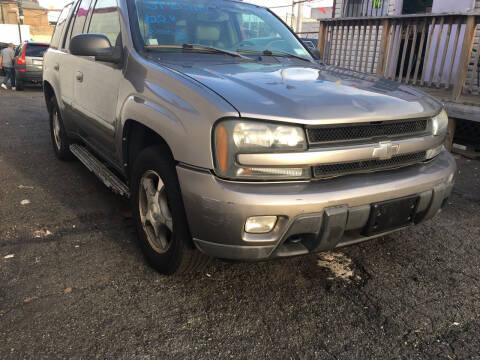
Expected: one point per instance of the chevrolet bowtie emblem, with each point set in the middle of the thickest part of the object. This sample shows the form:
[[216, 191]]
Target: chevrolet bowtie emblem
[[385, 150]]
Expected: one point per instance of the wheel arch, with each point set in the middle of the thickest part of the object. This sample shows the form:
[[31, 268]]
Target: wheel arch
[[186, 130], [48, 92], [136, 137]]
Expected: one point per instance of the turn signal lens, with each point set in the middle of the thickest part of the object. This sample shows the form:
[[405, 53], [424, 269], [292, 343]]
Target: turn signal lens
[[260, 224], [440, 124], [277, 173], [21, 59], [434, 152], [221, 145]]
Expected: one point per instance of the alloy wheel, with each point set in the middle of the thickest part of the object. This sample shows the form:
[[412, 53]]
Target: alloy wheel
[[154, 212], [56, 130]]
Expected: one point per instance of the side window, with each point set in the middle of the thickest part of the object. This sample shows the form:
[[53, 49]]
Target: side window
[[68, 28], [18, 50], [105, 21], [61, 22], [80, 18]]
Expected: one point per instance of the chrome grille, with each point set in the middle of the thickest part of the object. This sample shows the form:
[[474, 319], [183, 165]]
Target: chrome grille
[[332, 170], [366, 131]]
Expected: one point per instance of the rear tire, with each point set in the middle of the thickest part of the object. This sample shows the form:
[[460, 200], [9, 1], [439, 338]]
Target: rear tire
[[19, 85], [159, 214], [60, 140]]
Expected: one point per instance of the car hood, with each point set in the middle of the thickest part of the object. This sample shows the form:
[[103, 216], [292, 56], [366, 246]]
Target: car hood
[[310, 93]]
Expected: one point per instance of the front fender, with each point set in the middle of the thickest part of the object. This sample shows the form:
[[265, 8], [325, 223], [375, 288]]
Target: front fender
[[187, 131], [180, 110], [156, 118]]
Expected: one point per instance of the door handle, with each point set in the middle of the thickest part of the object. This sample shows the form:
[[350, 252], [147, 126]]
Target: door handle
[[79, 76], [56, 67]]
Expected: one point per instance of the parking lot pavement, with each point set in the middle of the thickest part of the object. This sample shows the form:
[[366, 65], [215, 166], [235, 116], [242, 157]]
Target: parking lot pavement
[[74, 284]]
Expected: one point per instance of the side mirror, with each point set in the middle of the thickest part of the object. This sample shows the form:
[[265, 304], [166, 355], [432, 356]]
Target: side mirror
[[95, 45], [316, 54]]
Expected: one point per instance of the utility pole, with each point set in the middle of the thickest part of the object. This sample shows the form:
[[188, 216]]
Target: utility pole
[[20, 11], [3, 16], [299, 17], [20, 19], [293, 14]]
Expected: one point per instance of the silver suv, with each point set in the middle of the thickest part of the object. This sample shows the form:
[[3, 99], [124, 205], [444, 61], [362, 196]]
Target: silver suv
[[231, 139]]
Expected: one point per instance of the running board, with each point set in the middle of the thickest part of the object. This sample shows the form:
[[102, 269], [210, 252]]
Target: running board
[[98, 168]]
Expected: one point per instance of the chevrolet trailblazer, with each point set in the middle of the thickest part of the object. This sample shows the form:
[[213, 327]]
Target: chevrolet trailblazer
[[231, 139]]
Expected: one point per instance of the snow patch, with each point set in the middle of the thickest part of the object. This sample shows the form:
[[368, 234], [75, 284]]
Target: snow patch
[[338, 264]]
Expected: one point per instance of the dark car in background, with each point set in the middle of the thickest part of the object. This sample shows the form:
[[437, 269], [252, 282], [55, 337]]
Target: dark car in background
[[312, 44], [29, 63]]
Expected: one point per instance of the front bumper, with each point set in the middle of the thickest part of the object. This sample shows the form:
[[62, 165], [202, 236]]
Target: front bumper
[[313, 216]]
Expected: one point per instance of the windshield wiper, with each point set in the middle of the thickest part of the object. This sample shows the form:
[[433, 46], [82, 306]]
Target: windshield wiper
[[199, 47], [276, 53], [286, 54], [214, 49]]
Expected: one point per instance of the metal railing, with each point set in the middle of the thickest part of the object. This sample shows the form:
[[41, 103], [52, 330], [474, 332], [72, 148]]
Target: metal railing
[[435, 51]]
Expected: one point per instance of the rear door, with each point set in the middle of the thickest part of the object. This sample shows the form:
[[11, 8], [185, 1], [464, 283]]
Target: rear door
[[97, 83], [66, 63], [56, 70]]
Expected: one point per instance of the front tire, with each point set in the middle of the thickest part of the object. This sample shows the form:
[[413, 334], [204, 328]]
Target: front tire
[[60, 140], [161, 223]]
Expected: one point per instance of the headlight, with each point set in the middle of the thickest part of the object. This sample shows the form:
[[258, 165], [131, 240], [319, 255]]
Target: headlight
[[251, 136], [440, 124], [234, 137]]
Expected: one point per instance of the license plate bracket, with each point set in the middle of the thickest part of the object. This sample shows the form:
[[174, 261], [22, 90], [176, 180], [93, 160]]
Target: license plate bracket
[[391, 215]]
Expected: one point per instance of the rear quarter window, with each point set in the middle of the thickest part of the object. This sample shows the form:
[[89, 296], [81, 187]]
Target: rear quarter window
[[18, 50], [61, 22], [36, 50], [78, 20]]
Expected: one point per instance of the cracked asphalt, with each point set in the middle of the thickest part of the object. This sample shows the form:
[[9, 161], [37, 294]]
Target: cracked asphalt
[[73, 283]]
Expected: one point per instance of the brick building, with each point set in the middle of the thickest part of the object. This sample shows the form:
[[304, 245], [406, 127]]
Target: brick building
[[34, 15]]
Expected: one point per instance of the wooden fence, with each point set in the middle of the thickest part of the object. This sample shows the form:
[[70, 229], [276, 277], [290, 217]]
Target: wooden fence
[[437, 51]]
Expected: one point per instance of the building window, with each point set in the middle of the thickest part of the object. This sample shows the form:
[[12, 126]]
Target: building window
[[417, 6], [363, 8]]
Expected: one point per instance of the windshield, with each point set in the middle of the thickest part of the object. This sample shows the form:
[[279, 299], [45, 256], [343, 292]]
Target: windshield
[[164, 25]]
